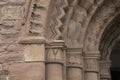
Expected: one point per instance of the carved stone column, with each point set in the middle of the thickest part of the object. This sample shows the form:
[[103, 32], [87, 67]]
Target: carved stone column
[[105, 70], [74, 64], [55, 60], [92, 66]]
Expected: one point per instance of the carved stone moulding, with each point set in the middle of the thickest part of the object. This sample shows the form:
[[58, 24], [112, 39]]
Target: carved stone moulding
[[74, 50], [55, 19], [56, 44], [92, 54], [32, 40]]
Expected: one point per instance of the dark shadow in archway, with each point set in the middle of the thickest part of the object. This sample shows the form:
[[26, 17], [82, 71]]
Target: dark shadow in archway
[[115, 61]]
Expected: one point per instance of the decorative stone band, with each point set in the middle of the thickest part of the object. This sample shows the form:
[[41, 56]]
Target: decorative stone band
[[92, 61], [55, 52], [74, 58], [105, 69], [32, 40]]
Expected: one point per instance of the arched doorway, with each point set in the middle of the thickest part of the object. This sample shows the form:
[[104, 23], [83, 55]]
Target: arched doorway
[[110, 51]]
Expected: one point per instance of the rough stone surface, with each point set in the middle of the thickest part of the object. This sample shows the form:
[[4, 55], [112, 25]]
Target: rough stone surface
[[26, 71], [66, 39]]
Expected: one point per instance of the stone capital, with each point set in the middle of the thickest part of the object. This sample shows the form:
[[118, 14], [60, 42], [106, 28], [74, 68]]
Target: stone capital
[[105, 64], [55, 52], [105, 69], [74, 57], [92, 61]]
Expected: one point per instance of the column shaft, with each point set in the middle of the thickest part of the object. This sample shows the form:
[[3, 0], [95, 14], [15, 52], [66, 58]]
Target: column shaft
[[54, 72], [74, 74], [91, 76]]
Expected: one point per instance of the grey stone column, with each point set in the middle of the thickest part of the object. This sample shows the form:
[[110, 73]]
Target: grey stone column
[[55, 61], [92, 66], [74, 64], [105, 70]]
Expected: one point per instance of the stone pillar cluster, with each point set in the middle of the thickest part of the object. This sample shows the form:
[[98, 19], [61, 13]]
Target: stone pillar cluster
[[105, 70], [54, 61], [40, 27], [92, 66]]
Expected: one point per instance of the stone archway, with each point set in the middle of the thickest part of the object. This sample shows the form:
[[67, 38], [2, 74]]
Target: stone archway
[[104, 18], [109, 48]]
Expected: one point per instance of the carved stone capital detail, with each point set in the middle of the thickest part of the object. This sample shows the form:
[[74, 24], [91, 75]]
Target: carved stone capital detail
[[55, 52], [74, 58], [105, 69], [92, 61], [92, 65]]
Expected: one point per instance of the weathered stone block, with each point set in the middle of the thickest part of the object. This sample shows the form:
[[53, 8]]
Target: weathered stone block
[[26, 71], [35, 52], [11, 12]]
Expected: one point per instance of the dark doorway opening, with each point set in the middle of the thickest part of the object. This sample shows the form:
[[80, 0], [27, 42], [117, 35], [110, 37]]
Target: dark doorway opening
[[115, 75], [115, 63]]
